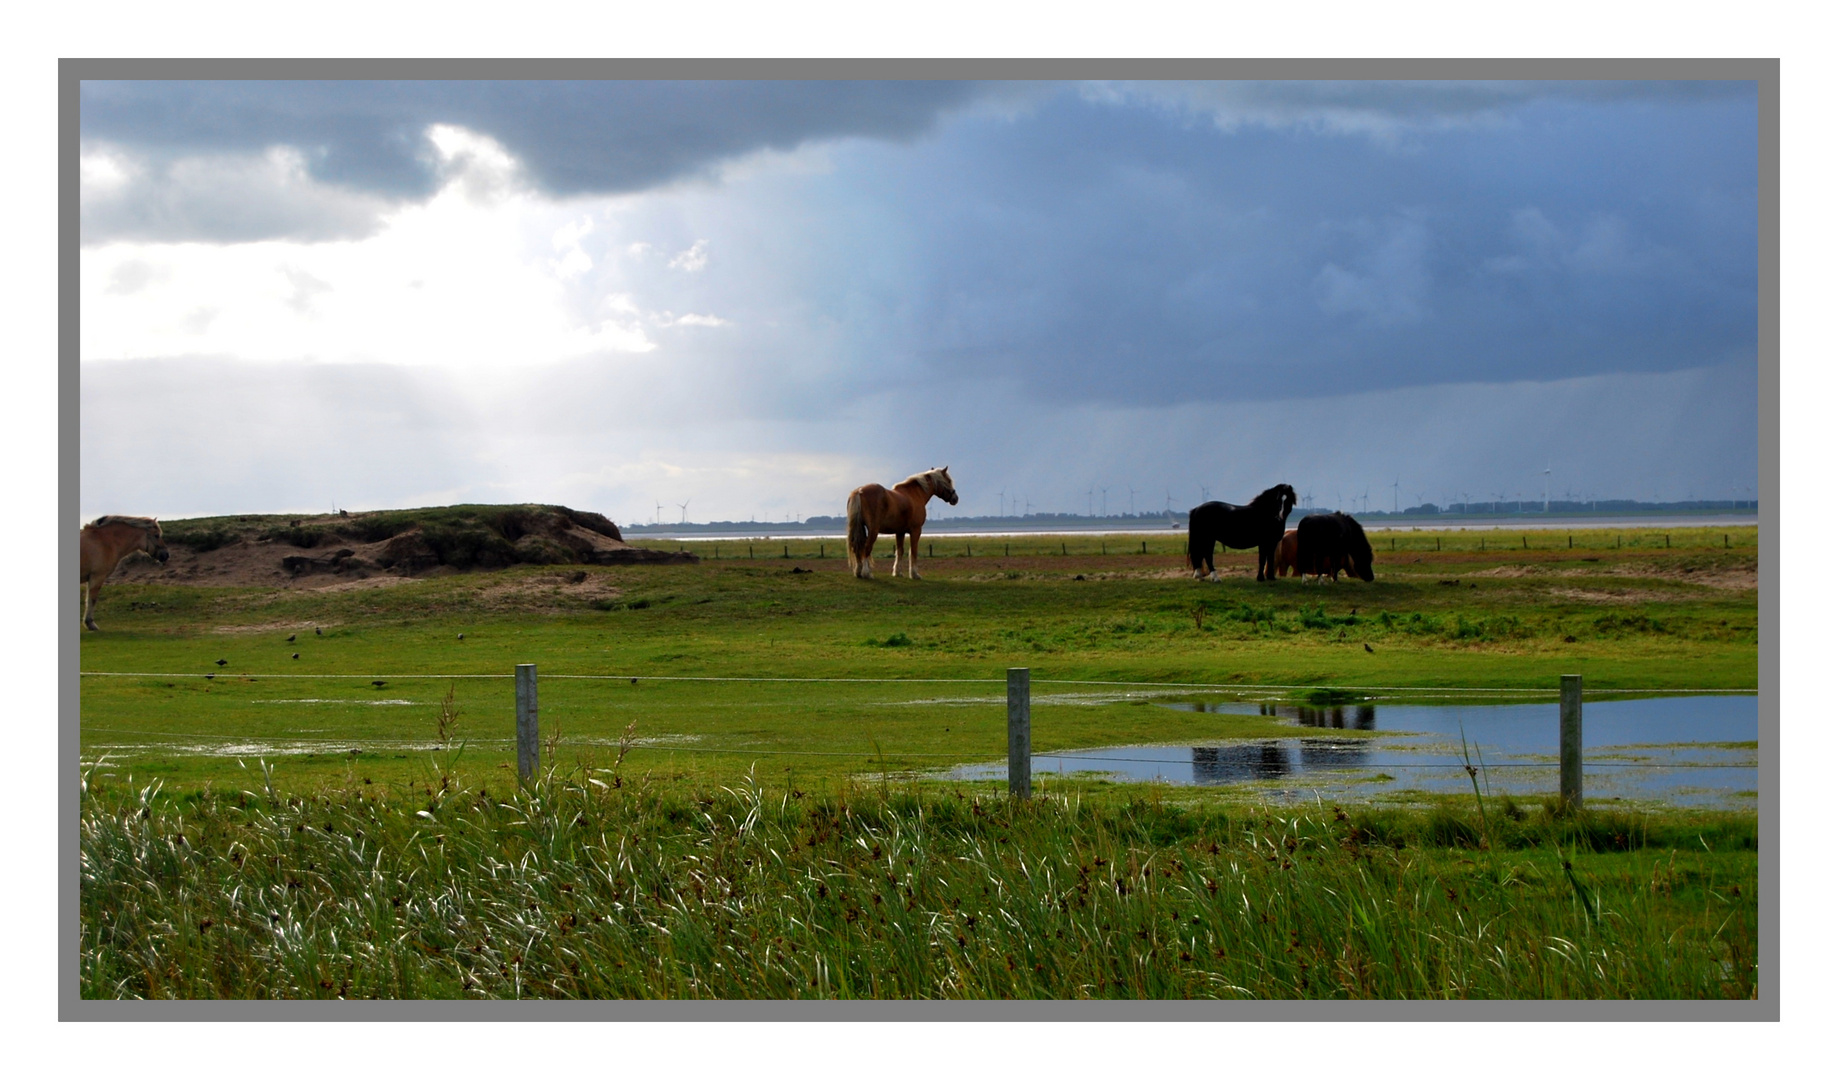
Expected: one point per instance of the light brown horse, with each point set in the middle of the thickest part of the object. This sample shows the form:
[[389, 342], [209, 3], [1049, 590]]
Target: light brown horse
[[106, 541], [874, 510]]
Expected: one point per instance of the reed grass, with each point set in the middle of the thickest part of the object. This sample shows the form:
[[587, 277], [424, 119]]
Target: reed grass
[[598, 885]]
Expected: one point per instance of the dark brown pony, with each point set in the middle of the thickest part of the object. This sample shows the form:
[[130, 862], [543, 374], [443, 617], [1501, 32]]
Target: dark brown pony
[[106, 541], [874, 510], [1258, 525], [1330, 543], [1287, 565]]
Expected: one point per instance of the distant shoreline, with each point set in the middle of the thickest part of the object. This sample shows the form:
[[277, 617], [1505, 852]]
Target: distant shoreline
[[1136, 527]]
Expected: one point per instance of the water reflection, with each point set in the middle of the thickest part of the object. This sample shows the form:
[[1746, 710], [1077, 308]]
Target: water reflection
[[1240, 761], [1686, 750]]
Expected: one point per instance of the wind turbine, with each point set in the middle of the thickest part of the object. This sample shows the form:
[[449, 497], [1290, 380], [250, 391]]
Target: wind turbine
[[658, 518], [1088, 492], [684, 506], [1104, 503], [1001, 503], [1132, 501], [1394, 493], [1547, 487]]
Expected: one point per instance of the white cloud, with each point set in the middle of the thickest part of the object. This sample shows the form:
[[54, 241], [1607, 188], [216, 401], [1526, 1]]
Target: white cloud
[[693, 259]]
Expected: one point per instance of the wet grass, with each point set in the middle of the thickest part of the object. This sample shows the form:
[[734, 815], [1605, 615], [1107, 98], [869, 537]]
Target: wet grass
[[602, 883], [1453, 620]]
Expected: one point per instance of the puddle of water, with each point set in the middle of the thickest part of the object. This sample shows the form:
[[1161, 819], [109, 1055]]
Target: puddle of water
[[1695, 750]]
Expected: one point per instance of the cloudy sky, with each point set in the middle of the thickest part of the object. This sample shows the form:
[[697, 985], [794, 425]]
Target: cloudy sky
[[750, 297]]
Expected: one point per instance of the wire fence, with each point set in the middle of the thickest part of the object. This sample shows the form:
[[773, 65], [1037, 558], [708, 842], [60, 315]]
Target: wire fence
[[1206, 686], [1056, 761]]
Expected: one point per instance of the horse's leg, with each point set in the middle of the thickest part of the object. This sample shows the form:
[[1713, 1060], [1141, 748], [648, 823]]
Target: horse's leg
[[865, 568], [89, 605], [912, 556], [900, 553]]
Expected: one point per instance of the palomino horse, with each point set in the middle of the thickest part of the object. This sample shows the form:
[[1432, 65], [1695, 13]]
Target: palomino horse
[[1259, 525], [874, 510], [106, 541]]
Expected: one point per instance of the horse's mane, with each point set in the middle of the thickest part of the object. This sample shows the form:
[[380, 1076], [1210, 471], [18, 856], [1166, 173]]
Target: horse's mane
[[924, 480], [127, 519], [1275, 496]]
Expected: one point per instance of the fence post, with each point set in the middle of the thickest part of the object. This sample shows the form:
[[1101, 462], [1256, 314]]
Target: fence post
[[1570, 740], [528, 749], [1020, 740]]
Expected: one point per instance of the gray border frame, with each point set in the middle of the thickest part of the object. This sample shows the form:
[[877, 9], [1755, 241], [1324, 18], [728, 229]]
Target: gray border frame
[[1765, 72]]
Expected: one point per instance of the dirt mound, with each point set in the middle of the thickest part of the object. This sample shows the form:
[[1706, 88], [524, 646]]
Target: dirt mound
[[317, 552]]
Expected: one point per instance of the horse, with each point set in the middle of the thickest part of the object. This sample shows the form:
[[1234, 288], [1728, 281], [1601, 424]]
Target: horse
[[874, 510], [1258, 525], [104, 542], [1286, 564], [1330, 543]]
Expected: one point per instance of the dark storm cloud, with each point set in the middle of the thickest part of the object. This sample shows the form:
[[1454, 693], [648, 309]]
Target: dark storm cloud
[[571, 137], [1090, 254]]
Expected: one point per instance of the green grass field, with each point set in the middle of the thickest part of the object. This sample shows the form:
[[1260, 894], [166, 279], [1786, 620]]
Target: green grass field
[[1637, 617], [348, 823]]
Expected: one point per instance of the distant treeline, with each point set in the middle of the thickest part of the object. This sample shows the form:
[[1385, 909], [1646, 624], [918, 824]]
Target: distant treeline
[[1528, 508]]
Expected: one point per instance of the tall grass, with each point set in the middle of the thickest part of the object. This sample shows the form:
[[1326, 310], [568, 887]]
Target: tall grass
[[597, 886]]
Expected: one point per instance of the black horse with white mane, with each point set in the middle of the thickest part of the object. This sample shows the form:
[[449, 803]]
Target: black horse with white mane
[[1259, 525]]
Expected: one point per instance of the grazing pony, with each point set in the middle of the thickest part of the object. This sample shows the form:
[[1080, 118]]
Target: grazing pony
[[1286, 565], [106, 541], [1259, 525], [1330, 543], [874, 510]]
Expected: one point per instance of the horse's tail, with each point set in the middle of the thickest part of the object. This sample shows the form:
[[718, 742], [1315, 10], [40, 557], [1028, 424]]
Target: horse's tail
[[858, 531], [1199, 542]]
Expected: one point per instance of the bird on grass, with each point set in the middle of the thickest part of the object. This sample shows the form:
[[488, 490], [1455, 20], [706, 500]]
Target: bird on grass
[[1368, 648], [316, 630], [378, 683], [290, 639], [220, 663], [296, 656], [462, 637]]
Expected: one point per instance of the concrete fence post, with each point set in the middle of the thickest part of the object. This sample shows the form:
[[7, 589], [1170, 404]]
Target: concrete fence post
[[529, 750], [1570, 740], [1020, 738]]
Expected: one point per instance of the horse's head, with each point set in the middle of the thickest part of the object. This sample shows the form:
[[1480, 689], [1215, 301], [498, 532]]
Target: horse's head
[[153, 542], [942, 486], [1288, 495], [1359, 549]]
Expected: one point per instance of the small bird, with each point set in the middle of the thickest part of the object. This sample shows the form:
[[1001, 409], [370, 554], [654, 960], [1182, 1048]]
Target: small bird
[[297, 656], [317, 631], [378, 683], [634, 682], [220, 663], [209, 677], [462, 637], [1368, 648], [290, 639]]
